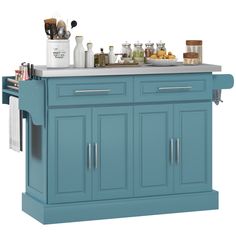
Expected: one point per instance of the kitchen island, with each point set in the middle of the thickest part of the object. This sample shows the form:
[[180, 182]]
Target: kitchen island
[[118, 142]]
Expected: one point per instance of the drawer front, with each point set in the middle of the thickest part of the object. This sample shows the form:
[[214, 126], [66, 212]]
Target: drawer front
[[89, 90], [176, 87]]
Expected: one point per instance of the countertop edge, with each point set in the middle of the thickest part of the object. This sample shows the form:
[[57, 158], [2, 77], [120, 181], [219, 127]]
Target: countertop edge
[[42, 71]]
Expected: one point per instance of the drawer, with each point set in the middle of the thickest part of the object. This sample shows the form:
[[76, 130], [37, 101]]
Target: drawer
[[178, 87], [89, 90]]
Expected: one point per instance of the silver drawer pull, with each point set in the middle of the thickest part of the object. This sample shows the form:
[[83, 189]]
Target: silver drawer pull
[[175, 88], [92, 91], [89, 156], [177, 150], [171, 151], [96, 155]]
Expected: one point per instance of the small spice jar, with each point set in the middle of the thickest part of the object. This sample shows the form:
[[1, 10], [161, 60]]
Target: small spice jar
[[191, 58], [195, 46]]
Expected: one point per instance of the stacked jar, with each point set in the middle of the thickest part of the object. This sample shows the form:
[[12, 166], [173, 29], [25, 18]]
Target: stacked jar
[[191, 58], [195, 46]]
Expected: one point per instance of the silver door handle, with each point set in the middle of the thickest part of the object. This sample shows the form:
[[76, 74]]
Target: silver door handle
[[171, 151], [175, 88], [177, 150], [96, 155], [92, 91], [89, 156]]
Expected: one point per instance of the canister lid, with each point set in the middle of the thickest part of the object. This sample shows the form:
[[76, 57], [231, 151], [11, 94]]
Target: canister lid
[[190, 55], [194, 42], [138, 44], [126, 44], [149, 44]]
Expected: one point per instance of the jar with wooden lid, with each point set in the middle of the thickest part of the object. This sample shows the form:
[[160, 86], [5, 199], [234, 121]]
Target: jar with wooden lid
[[191, 58], [195, 46]]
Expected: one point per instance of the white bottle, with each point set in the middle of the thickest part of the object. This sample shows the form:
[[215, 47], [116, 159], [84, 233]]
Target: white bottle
[[89, 56], [111, 55], [79, 53]]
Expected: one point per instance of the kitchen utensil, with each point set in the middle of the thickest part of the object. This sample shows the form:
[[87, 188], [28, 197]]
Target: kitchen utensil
[[53, 31], [61, 32], [61, 24], [32, 71], [28, 70], [73, 23], [67, 35], [50, 27]]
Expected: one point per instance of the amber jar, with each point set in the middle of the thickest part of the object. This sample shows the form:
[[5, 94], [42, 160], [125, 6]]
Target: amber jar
[[191, 58], [196, 47]]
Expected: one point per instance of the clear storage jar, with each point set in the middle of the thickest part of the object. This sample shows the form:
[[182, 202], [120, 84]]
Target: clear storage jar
[[138, 53], [195, 46], [149, 49], [126, 50]]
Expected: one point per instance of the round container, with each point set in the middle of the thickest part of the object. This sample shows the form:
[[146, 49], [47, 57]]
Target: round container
[[149, 49], [58, 53], [138, 53], [191, 58], [160, 46], [126, 49], [195, 46]]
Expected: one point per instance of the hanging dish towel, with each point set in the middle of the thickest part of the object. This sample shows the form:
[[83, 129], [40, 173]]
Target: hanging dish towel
[[15, 129]]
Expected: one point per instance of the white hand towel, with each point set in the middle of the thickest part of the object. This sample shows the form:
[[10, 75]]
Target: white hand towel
[[15, 141]]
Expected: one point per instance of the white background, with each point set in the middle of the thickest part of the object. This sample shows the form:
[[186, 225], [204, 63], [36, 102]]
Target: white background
[[106, 22]]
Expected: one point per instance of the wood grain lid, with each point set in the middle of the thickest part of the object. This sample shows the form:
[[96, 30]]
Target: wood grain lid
[[190, 55], [194, 42]]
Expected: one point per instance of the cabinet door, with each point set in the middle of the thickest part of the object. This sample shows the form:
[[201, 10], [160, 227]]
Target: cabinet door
[[112, 136], [153, 150], [192, 124], [69, 176]]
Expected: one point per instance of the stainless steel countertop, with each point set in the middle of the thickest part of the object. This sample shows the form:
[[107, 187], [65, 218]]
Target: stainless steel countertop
[[43, 71]]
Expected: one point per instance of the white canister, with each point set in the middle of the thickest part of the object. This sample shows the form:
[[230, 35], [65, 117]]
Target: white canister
[[89, 56], [111, 55], [58, 53]]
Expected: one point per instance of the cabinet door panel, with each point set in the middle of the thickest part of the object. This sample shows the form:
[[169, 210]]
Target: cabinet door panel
[[69, 135], [152, 134], [193, 128], [112, 177]]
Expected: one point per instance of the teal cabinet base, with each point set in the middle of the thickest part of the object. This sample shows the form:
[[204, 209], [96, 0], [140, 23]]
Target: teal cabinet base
[[59, 213]]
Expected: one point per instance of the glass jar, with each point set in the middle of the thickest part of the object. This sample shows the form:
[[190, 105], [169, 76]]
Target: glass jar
[[149, 49], [126, 50], [160, 46], [191, 58], [138, 53], [195, 46]]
